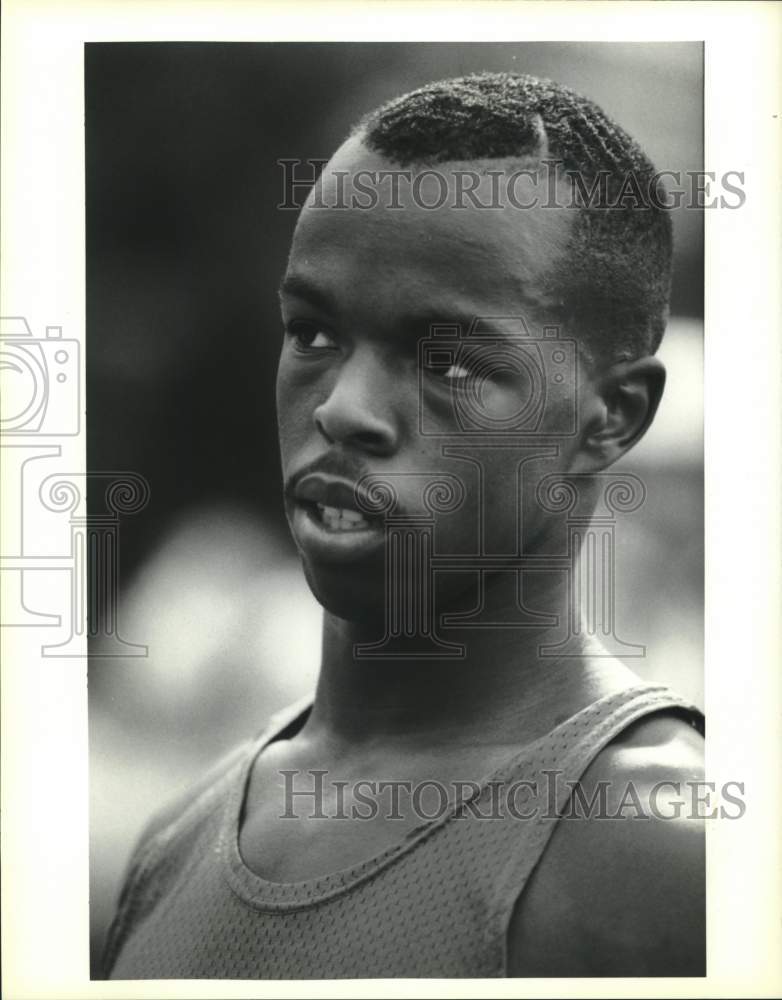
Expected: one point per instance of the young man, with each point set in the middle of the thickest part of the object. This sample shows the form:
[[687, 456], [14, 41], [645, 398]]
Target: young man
[[472, 305]]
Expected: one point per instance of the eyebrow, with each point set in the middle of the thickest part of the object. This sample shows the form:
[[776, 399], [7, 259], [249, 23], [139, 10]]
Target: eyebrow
[[445, 318], [304, 288], [418, 326]]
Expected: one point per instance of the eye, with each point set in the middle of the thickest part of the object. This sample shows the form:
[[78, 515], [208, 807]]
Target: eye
[[455, 374], [448, 372], [307, 336]]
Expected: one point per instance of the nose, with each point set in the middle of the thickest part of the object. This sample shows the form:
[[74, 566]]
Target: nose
[[359, 409]]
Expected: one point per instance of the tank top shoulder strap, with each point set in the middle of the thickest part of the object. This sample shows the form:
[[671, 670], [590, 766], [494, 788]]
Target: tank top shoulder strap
[[550, 768]]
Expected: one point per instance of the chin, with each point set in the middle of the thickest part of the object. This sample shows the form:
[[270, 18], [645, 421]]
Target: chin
[[354, 597]]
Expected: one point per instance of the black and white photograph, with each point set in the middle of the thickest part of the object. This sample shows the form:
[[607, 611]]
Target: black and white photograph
[[388, 563], [384, 328]]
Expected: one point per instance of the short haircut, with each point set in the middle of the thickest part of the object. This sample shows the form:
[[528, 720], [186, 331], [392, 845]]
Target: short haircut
[[614, 288]]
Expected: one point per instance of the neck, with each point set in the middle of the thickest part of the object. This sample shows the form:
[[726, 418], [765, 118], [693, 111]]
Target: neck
[[501, 686]]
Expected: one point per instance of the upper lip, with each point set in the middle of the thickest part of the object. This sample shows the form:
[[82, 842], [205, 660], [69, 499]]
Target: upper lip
[[319, 488]]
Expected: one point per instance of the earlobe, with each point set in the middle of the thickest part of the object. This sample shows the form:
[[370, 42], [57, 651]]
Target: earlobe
[[620, 409]]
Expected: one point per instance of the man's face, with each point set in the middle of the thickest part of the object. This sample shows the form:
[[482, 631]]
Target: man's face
[[362, 291]]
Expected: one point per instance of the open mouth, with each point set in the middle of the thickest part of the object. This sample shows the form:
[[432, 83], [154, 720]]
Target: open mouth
[[331, 533], [328, 521], [339, 519]]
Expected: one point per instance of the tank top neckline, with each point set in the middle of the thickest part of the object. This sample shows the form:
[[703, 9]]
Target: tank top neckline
[[263, 894]]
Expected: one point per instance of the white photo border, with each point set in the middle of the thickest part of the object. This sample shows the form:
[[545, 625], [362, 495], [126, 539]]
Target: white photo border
[[44, 703]]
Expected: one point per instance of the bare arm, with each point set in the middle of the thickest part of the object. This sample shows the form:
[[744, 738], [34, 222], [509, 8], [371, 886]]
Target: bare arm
[[622, 897]]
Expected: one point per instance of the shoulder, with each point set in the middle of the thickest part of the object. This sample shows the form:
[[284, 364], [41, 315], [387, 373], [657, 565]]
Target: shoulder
[[170, 827], [196, 792], [163, 846], [165, 843], [205, 790], [620, 889]]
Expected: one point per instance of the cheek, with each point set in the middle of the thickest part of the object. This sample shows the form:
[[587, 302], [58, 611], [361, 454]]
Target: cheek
[[298, 394], [487, 519]]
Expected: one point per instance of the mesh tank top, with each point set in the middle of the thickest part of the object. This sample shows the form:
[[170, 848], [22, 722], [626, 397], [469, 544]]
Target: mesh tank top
[[437, 904]]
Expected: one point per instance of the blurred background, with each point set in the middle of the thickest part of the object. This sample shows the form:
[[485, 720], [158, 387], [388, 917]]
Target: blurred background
[[185, 248]]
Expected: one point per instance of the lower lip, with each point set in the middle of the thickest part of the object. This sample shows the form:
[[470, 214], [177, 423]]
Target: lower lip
[[319, 541]]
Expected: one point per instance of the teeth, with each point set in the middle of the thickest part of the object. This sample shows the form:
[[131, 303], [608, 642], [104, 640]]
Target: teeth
[[341, 519]]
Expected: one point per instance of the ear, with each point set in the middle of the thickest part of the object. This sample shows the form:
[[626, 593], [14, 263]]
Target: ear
[[619, 406]]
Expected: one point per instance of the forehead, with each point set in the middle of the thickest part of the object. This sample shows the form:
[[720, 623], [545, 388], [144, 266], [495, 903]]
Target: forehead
[[410, 236]]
